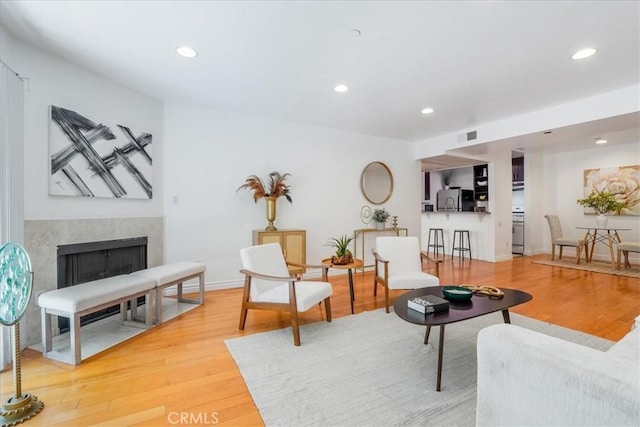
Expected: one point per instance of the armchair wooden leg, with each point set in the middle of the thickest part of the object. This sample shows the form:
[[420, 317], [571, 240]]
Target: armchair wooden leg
[[295, 326], [375, 287], [386, 298], [327, 308], [245, 300], [243, 315], [293, 309]]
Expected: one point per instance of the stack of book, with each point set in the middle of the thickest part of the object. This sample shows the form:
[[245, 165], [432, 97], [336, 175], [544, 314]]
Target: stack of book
[[428, 304]]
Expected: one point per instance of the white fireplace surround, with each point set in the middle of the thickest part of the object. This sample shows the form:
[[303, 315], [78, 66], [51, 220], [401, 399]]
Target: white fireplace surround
[[41, 240]]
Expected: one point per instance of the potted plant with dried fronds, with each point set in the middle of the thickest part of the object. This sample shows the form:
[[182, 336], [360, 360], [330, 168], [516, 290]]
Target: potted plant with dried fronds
[[277, 188], [343, 254]]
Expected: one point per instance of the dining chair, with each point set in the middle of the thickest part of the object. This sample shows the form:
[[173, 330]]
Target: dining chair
[[623, 248], [269, 286], [398, 265], [558, 239]]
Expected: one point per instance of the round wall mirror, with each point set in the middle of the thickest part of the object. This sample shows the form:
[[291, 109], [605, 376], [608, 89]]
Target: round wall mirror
[[376, 183]]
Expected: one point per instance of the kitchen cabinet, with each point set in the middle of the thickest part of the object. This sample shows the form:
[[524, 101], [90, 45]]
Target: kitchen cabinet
[[481, 182], [517, 170], [293, 243]]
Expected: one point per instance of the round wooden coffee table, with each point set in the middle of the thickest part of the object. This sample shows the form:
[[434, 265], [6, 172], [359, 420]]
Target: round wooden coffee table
[[357, 263]]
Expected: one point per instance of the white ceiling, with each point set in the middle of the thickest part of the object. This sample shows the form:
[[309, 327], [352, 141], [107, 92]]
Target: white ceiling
[[473, 62]]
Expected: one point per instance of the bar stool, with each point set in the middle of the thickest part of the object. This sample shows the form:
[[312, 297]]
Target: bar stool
[[461, 248], [438, 241]]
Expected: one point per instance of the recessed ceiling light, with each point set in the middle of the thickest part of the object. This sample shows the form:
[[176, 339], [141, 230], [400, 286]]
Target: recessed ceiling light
[[427, 110], [186, 51], [601, 141], [547, 132], [584, 53], [354, 32], [341, 88]]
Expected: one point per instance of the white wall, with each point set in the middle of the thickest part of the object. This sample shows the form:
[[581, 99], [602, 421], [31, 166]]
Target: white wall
[[52, 80], [563, 185], [209, 154]]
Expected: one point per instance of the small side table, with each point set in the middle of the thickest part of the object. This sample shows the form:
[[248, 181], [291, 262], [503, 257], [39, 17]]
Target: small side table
[[357, 263]]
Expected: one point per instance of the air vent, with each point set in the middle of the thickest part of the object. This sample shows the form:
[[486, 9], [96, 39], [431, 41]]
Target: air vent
[[469, 136]]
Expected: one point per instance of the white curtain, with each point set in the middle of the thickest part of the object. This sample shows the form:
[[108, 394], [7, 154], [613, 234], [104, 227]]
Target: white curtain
[[11, 175]]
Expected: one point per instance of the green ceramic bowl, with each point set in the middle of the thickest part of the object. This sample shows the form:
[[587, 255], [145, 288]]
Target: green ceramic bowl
[[456, 293]]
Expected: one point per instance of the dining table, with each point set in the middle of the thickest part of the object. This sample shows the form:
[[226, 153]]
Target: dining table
[[608, 236]]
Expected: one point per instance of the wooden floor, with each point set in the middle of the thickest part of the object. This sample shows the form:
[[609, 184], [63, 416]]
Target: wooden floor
[[181, 373]]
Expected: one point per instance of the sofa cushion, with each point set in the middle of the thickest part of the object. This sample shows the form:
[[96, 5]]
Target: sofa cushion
[[170, 273], [80, 297], [628, 347]]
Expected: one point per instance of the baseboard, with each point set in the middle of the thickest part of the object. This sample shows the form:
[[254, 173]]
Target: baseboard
[[633, 257], [192, 286]]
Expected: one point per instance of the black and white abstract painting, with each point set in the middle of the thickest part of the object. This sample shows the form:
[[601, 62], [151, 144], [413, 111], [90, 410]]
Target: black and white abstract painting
[[92, 159]]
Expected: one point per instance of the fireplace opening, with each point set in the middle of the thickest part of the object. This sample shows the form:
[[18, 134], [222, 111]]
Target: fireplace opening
[[84, 262]]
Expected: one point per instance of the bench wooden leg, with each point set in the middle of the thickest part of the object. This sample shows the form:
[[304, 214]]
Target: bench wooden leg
[[45, 322], [158, 306], [148, 312], [201, 283], [74, 338], [200, 299]]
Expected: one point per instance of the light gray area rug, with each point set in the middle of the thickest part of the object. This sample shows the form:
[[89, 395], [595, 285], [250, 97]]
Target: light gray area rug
[[370, 369]]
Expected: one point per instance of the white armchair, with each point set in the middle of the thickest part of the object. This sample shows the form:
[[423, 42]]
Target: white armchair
[[398, 265], [268, 286]]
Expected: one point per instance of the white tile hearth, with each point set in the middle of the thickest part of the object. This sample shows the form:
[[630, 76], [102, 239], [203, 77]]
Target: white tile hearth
[[105, 333]]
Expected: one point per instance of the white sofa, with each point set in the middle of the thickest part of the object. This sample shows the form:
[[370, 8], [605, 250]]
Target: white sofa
[[529, 378]]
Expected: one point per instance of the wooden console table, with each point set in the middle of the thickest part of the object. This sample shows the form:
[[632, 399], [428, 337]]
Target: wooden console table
[[362, 232]]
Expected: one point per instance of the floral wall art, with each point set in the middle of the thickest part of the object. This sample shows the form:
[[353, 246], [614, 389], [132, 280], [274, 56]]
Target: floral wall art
[[623, 182], [92, 159]]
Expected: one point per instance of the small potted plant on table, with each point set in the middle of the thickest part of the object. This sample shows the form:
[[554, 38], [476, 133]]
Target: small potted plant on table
[[602, 202], [380, 216], [343, 255]]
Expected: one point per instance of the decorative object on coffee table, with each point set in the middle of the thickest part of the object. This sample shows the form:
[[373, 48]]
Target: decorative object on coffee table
[[277, 188], [16, 283], [457, 293], [484, 290]]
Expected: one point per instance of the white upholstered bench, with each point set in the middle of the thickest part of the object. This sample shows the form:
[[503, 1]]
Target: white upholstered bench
[[79, 300], [625, 248], [173, 274]]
